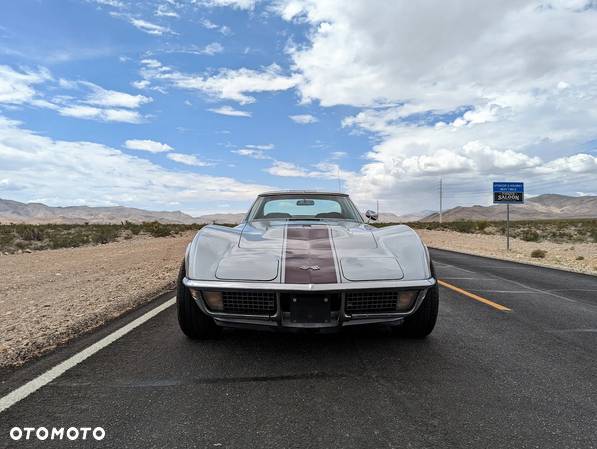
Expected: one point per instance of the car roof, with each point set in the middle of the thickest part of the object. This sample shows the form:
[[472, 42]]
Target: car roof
[[302, 192]]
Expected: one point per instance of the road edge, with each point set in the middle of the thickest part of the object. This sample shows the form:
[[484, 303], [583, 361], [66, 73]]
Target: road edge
[[520, 262], [11, 377]]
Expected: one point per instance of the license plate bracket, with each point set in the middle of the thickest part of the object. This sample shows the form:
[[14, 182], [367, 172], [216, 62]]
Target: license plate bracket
[[310, 309]]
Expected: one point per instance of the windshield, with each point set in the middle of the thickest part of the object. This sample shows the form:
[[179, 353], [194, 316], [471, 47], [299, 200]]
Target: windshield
[[305, 207]]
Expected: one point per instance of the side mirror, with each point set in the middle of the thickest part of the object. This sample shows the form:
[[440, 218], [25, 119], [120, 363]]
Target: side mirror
[[371, 215]]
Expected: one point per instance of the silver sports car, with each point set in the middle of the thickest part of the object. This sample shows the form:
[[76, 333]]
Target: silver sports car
[[306, 260]]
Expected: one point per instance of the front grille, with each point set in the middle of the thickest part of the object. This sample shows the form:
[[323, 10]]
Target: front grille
[[375, 301], [250, 303]]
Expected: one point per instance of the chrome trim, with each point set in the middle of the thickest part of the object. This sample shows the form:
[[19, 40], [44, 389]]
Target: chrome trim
[[418, 302], [342, 319], [360, 285]]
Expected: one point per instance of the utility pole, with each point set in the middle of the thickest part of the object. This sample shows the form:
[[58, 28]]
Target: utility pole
[[377, 210], [508, 227], [441, 199], [339, 182]]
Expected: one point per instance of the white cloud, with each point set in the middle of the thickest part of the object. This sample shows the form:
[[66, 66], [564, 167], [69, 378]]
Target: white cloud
[[303, 119], [206, 23], [101, 114], [255, 151], [267, 146], [111, 98], [112, 3], [140, 84], [248, 152], [228, 110], [188, 159], [227, 84], [287, 169], [149, 28], [237, 4], [69, 172], [338, 154], [18, 87], [101, 104], [507, 90], [213, 48], [324, 170], [147, 145], [575, 164], [165, 11]]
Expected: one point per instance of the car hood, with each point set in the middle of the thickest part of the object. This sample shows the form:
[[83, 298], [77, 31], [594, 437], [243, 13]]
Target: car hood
[[304, 252]]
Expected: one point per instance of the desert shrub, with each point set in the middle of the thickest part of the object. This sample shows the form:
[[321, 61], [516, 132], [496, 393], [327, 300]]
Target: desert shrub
[[580, 258], [104, 234], [467, 227], [157, 229], [6, 239], [538, 254], [482, 225], [20, 244], [57, 241], [530, 235], [30, 233], [133, 227]]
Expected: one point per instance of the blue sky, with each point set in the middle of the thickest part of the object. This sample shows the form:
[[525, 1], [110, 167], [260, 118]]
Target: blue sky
[[199, 105]]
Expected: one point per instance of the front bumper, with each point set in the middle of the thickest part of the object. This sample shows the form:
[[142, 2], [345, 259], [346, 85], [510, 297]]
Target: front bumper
[[280, 319]]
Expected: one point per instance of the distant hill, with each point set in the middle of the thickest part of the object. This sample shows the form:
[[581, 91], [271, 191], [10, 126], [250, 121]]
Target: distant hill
[[542, 207], [220, 218], [37, 213]]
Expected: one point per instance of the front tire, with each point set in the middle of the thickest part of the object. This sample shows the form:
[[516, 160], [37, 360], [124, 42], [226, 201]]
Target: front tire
[[421, 323], [192, 321]]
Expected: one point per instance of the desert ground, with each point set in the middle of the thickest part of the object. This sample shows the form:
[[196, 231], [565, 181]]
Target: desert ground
[[48, 297], [580, 257]]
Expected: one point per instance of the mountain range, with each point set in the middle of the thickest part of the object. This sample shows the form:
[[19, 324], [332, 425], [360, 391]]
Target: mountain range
[[548, 206], [542, 207]]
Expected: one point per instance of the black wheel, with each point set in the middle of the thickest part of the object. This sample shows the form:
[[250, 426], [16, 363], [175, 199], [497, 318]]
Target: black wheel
[[193, 322], [421, 323]]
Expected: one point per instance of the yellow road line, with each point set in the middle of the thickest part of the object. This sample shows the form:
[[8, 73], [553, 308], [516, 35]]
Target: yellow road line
[[495, 305]]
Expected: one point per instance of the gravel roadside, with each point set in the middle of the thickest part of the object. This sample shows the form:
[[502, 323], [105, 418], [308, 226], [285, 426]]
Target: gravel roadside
[[581, 257], [49, 297]]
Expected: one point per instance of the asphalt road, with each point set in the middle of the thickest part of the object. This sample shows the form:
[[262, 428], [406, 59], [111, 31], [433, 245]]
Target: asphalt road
[[486, 378]]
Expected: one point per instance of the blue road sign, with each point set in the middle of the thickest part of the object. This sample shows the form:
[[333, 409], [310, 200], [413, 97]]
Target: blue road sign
[[508, 192]]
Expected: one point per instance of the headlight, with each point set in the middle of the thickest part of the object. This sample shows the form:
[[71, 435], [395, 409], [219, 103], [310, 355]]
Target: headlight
[[406, 300], [214, 300]]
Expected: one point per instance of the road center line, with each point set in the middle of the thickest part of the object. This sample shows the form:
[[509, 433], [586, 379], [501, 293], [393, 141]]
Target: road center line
[[43, 379], [495, 305]]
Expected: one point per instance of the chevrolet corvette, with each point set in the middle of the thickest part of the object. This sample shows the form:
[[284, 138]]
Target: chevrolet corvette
[[310, 261]]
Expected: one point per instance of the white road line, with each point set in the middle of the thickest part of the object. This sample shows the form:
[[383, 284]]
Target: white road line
[[43, 379]]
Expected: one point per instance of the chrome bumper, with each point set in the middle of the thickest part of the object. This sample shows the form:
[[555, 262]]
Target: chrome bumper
[[281, 319]]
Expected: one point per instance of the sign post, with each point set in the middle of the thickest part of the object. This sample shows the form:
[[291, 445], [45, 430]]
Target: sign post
[[508, 193]]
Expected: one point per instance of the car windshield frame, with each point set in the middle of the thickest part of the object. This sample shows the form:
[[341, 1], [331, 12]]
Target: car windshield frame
[[346, 205]]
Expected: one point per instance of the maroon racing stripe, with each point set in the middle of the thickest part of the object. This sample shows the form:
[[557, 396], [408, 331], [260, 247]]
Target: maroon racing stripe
[[309, 258]]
